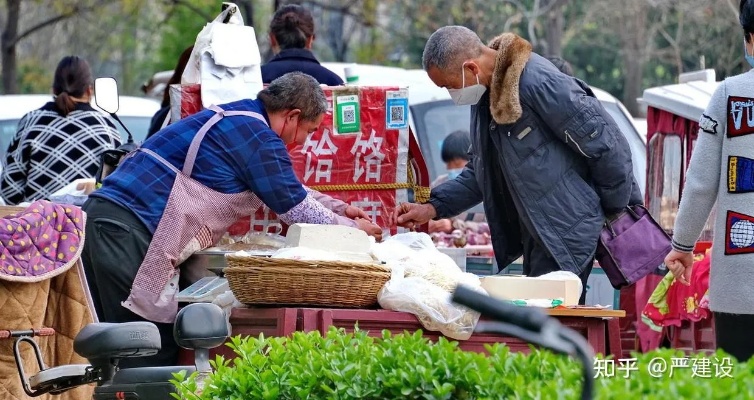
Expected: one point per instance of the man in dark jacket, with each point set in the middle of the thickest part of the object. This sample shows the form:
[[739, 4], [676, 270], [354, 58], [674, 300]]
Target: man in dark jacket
[[548, 161]]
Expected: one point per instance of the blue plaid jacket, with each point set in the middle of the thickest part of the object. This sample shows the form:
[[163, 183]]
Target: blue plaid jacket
[[239, 153]]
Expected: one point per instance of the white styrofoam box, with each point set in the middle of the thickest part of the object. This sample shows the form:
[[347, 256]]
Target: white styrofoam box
[[516, 287], [333, 238]]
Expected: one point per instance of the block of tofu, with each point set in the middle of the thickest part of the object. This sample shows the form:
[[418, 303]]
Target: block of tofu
[[333, 238]]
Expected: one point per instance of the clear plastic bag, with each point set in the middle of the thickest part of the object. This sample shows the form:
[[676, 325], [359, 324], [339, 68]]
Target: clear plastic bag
[[431, 304], [419, 257], [422, 281]]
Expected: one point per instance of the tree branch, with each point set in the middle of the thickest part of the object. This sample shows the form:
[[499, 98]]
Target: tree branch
[[345, 10], [75, 10], [192, 8]]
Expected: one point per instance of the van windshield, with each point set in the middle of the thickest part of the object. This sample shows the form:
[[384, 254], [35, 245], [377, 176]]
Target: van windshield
[[439, 121]]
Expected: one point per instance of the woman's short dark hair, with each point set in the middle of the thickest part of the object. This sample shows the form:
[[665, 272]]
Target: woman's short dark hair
[[72, 78], [295, 90], [293, 26], [746, 17], [455, 146]]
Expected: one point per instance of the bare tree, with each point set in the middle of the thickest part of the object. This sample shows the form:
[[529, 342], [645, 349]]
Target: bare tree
[[554, 26], [12, 35], [633, 38]]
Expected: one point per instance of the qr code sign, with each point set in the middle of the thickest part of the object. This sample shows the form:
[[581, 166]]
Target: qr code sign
[[349, 115], [397, 115]]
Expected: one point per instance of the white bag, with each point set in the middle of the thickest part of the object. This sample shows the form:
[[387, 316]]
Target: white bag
[[431, 305], [225, 60]]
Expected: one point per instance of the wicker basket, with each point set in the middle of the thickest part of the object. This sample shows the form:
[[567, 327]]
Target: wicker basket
[[263, 280]]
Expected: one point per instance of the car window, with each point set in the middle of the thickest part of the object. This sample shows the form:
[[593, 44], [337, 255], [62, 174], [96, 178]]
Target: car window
[[438, 123]]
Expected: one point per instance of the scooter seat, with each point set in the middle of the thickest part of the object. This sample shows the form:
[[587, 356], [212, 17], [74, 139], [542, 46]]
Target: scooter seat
[[64, 376], [108, 340], [149, 374]]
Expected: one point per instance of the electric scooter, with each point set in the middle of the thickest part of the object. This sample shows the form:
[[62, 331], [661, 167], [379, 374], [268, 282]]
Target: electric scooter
[[199, 327]]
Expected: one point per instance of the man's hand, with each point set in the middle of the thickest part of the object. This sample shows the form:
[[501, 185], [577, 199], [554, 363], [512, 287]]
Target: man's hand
[[355, 212], [443, 225], [680, 265], [370, 228], [408, 215]]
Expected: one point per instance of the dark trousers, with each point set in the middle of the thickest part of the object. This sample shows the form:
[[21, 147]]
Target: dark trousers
[[733, 334], [537, 262], [116, 243]]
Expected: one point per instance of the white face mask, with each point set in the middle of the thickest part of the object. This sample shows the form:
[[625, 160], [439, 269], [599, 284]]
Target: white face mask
[[467, 96]]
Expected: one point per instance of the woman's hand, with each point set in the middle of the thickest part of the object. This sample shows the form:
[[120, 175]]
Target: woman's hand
[[355, 212], [370, 228], [680, 265]]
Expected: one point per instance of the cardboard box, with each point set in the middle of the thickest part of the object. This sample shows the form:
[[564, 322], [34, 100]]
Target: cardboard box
[[519, 287]]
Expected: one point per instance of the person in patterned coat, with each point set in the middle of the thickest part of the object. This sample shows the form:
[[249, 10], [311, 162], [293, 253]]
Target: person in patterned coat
[[719, 178], [60, 142]]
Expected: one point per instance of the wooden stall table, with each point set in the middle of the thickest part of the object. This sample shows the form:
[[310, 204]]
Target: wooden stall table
[[599, 326]]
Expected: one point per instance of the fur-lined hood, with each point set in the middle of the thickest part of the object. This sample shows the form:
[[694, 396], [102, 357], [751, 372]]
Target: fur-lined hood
[[513, 52]]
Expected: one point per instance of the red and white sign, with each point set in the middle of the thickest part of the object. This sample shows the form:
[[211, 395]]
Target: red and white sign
[[374, 155]]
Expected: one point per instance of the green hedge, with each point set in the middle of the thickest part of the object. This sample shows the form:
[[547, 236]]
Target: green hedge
[[408, 366]]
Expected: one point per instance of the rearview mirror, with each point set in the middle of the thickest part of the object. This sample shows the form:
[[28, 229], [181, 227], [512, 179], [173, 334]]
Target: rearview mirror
[[106, 94], [106, 98]]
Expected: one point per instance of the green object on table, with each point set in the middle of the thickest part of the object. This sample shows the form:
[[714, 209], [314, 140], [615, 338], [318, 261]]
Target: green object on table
[[553, 303]]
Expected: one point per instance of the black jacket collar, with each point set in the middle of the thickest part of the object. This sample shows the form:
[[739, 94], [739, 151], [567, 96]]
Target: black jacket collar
[[299, 54]]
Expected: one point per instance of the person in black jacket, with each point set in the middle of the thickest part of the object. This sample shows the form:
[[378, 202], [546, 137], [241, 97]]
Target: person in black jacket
[[291, 37], [548, 161]]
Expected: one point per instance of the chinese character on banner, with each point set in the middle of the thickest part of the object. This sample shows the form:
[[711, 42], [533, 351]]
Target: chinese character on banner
[[367, 158], [371, 208], [322, 170]]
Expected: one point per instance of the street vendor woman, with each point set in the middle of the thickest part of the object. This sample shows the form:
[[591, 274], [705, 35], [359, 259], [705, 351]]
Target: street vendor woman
[[184, 187]]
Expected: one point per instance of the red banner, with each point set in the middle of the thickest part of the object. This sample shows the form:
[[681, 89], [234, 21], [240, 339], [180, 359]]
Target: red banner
[[361, 146]]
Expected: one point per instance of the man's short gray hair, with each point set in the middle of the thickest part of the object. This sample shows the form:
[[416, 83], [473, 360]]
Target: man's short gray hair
[[295, 90], [451, 45]]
